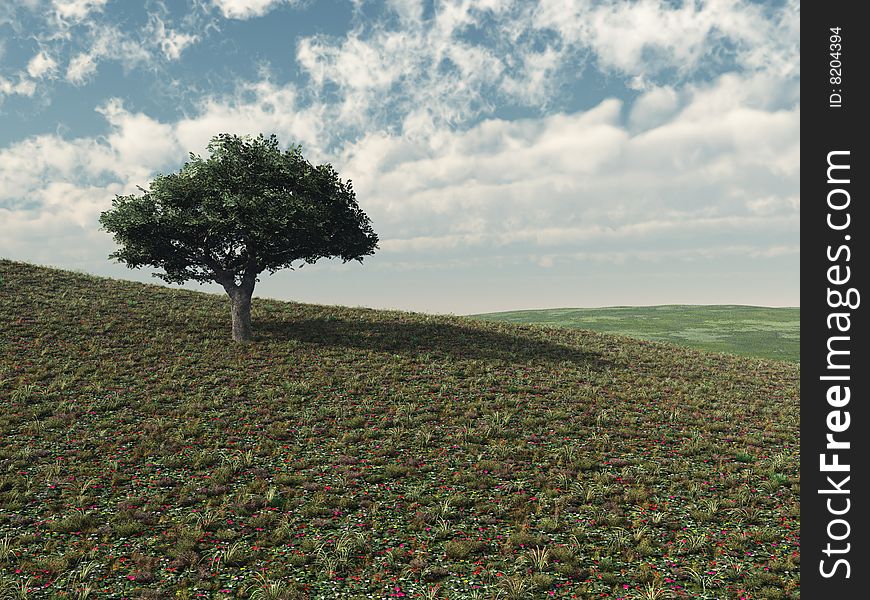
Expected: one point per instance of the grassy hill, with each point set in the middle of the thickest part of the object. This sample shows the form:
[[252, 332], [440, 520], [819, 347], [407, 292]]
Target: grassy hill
[[757, 331], [353, 453]]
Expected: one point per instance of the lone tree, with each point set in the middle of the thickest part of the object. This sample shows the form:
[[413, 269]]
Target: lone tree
[[249, 207]]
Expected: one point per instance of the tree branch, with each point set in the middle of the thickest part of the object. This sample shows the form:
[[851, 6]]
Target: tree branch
[[221, 275]]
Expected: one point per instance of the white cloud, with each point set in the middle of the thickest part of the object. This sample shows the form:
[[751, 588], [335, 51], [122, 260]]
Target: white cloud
[[777, 54], [52, 189], [772, 205], [627, 235], [653, 107], [247, 9], [646, 38], [73, 204], [67, 218], [423, 68], [134, 149], [22, 87], [81, 67], [256, 108], [432, 72], [77, 34], [77, 10], [776, 251], [106, 43], [170, 41], [534, 83], [41, 65], [139, 144], [31, 164], [409, 11], [584, 179]]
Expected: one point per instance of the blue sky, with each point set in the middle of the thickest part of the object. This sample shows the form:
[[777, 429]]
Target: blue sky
[[510, 154]]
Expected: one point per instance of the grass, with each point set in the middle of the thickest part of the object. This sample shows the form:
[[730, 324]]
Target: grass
[[761, 332], [352, 453]]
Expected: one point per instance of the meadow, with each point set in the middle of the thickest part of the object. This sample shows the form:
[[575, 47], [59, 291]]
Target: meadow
[[353, 453], [756, 331]]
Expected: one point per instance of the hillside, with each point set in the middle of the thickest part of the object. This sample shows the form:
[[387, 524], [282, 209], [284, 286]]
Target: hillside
[[353, 453], [755, 331]]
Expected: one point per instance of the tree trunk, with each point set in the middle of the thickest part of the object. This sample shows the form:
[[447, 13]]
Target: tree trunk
[[241, 311], [240, 296]]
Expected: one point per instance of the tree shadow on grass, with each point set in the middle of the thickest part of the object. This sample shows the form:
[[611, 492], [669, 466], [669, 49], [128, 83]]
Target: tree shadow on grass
[[434, 338]]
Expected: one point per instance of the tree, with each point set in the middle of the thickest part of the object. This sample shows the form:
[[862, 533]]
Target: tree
[[247, 208]]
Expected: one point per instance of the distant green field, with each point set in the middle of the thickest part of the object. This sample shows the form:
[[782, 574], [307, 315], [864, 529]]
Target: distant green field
[[745, 330]]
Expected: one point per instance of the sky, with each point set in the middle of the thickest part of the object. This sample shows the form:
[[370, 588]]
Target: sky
[[510, 154]]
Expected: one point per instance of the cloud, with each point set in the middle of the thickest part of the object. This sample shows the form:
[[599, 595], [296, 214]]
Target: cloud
[[431, 70], [52, 189], [261, 107], [76, 10], [134, 149], [247, 9], [67, 218], [534, 83], [139, 145], [81, 67], [41, 65], [170, 41], [408, 11], [76, 36], [649, 38], [423, 69], [451, 67], [653, 107], [22, 87], [31, 164], [626, 235], [106, 43], [587, 179], [773, 205]]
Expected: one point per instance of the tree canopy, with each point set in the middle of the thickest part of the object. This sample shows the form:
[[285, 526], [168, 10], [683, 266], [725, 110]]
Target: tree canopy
[[249, 207]]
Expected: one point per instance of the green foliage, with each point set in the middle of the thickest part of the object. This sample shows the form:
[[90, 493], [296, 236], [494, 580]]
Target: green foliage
[[248, 207], [373, 454]]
